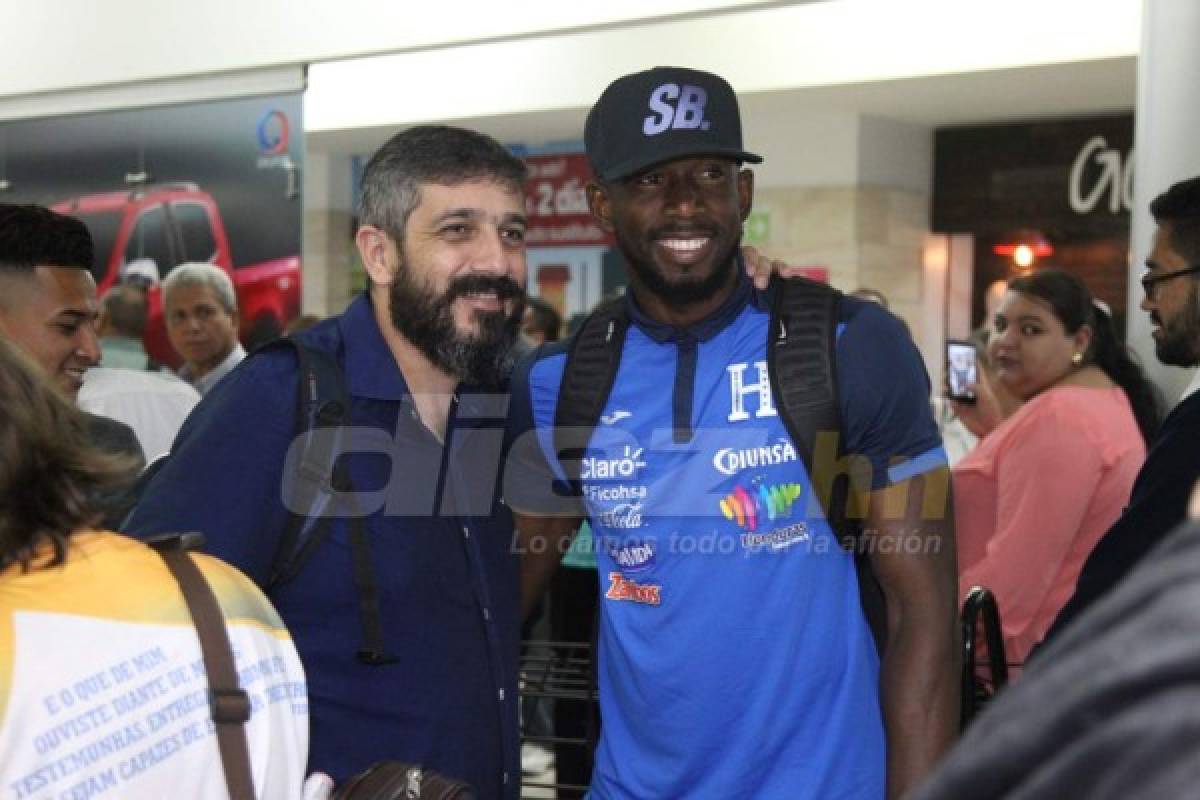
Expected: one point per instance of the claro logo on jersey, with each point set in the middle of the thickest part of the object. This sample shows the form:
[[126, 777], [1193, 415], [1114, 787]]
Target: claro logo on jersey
[[729, 461], [675, 106], [622, 588], [627, 465], [751, 507]]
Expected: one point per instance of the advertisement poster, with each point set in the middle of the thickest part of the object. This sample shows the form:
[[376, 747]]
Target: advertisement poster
[[215, 181], [572, 262]]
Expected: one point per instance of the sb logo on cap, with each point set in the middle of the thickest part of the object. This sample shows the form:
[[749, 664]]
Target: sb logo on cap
[[686, 113]]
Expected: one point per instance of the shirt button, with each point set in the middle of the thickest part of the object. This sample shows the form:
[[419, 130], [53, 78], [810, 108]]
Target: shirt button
[[501, 695], [466, 532], [505, 779], [487, 616]]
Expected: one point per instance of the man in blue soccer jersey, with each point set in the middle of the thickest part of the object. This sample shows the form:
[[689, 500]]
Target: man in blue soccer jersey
[[735, 659]]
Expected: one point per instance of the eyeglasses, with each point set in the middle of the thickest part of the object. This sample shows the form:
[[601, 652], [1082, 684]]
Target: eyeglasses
[[1150, 282]]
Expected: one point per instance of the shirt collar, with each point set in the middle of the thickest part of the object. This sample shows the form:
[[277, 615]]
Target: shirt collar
[[208, 380], [1192, 387], [371, 369], [742, 294]]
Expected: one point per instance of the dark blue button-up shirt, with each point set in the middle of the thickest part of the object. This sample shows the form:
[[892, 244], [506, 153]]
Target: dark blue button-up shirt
[[440, 548]]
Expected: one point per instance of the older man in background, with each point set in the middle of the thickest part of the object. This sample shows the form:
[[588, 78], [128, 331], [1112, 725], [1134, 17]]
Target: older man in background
[[200, 306]]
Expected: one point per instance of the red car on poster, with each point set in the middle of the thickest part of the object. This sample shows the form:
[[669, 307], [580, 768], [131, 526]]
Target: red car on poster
[[148, 230]]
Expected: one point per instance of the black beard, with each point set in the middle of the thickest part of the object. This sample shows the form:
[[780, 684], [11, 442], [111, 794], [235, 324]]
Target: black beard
[[1180, 342], [427, 320], [684, 294]]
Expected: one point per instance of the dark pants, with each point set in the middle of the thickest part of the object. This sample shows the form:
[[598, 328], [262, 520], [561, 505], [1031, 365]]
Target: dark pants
[[573, 598]]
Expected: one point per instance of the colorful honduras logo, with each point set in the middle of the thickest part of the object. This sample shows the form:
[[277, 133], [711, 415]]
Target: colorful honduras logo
[[747, 506], [273, 133]]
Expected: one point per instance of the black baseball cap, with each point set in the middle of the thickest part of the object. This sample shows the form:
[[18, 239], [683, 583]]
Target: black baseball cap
[[660, 115]]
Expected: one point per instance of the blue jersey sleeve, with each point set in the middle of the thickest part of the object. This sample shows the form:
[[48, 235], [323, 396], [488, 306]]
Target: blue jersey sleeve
[[533, 478], [224, 475], [884, 393]]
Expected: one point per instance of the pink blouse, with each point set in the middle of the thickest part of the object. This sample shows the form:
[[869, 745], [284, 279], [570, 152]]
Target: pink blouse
[[1034, 498]]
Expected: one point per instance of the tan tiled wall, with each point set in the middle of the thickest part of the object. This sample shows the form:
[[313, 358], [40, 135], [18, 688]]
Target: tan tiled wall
[[865, 236]]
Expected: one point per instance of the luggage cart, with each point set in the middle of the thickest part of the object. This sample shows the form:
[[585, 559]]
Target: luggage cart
[[562, 672], [980, 607]]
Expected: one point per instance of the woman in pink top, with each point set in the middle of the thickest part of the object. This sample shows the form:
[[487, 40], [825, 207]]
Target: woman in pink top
[[1043, 486]]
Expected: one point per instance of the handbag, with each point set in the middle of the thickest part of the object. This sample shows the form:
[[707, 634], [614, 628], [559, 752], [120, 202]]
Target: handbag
[[394, 780]]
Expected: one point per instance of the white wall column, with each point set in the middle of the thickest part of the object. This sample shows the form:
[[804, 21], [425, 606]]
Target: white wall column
[[1168, 118], [328, 252]]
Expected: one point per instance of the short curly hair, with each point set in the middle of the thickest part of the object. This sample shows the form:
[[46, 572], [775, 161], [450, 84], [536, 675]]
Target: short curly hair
[[392, 179]]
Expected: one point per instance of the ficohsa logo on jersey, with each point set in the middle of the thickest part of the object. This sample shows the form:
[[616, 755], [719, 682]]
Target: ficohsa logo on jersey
[[729, 461], [626, 466], [679, 107]]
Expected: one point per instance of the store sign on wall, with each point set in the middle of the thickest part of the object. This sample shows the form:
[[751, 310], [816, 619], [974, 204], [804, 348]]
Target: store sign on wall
[[1099, 173], [1071, 177], [556, 203]]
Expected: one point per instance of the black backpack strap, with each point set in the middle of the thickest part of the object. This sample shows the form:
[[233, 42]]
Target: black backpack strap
[[588, 376], [322, 406], [319, 482], [802, 364]]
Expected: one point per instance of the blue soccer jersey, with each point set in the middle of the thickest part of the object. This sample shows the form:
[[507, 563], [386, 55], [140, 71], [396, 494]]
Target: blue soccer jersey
[[734, 657]]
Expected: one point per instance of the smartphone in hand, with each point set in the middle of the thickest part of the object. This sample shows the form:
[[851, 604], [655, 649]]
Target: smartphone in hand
[[962, 370]]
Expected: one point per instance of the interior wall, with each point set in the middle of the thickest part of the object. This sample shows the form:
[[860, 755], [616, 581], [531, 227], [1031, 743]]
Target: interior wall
[[328, 259]]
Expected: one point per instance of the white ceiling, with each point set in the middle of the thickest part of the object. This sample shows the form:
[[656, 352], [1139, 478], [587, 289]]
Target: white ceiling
[[1037, 92]]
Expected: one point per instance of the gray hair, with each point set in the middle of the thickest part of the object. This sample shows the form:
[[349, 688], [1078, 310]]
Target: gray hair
[[391, 182], [201, 273]]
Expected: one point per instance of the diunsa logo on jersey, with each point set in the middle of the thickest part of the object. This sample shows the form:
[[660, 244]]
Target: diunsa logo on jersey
[[675, 106], [730, 461]]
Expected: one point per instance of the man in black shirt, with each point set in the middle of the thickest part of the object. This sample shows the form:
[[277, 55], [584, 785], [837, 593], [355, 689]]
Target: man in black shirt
[[1160, 493]]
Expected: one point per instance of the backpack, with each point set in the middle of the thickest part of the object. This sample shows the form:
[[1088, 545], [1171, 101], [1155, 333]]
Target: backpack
[[801, 345], [319, 478]]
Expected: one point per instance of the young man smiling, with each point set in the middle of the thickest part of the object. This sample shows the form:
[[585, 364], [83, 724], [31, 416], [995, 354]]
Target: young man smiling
[[420, 666], [48, 308], [735, 659]]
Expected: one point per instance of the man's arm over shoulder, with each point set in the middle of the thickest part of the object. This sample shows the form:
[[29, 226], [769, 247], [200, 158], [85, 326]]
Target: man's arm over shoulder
[[224, 475], [545, 518], [909, 535]]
